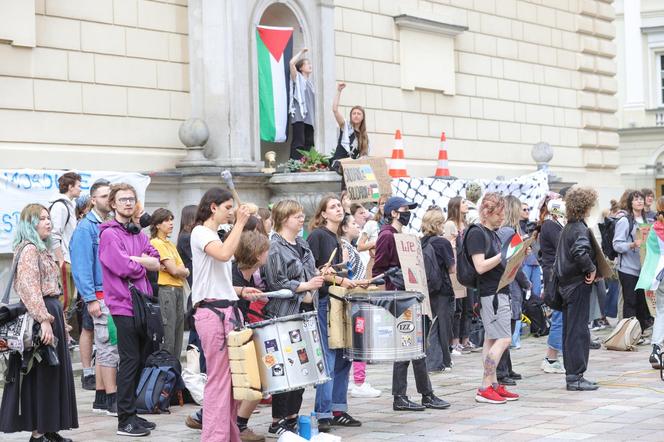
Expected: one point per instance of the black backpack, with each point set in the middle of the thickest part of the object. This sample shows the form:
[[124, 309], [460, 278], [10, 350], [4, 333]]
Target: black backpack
[[466, 273], [533, 308], [607, 229], [432, 268]]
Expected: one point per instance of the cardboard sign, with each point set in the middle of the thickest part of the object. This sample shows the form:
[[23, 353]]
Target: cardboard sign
[[604, 268], [642, 233], [366, 179], [514, 263], [411, 259]]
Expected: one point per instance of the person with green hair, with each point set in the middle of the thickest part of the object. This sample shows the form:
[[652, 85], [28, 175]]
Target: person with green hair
[[43, 401]]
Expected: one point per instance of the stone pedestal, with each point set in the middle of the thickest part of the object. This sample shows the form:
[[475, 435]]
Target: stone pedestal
[[308, 188]]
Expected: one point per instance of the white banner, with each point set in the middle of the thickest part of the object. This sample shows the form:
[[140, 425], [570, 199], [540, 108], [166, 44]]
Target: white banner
[[530, 189], [20, 187]]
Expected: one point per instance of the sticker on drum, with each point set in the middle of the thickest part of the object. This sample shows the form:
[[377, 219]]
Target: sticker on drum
[[271, 346], [288, 349], [321, 367], [385, 332], [295, 335], [269, 360], [302, 354], [305, 371], [359, 325], [406, 326], [309, 324], [278, 370], [407, 315], [406, 341], [314, 335], [319, 352]]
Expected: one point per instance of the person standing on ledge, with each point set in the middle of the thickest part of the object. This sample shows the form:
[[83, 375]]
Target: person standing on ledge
[[302, 105]]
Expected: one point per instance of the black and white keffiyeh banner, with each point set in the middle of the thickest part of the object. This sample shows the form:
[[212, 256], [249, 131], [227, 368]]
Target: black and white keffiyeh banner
[[426, 192]]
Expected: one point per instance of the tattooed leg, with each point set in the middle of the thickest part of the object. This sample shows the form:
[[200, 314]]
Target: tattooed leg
[[489, 371]]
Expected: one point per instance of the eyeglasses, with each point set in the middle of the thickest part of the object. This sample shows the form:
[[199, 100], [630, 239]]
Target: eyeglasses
[[433, 207], [300, 216], [525, 209], [129, 200]]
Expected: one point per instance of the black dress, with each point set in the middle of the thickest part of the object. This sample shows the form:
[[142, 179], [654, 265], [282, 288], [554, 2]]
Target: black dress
[[47, 394]]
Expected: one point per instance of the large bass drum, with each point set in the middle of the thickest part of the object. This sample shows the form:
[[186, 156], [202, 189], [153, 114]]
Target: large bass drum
[[385, 326], [290, 355]]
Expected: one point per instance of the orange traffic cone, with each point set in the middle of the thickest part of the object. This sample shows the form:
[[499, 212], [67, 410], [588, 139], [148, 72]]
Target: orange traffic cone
[[398, 164], [443, 167]]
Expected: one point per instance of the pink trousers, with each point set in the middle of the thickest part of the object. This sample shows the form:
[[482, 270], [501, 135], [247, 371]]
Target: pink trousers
[[359, 372], [219, 408]]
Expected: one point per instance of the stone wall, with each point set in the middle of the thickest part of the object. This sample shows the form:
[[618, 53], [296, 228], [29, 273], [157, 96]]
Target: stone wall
[[105, 87], [526, 71]]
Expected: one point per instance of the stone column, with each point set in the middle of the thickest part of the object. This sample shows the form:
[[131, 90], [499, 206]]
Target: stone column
[[219, 42], [633, 55]]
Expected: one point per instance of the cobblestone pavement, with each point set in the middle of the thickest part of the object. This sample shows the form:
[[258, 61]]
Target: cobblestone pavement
[[628, 406]]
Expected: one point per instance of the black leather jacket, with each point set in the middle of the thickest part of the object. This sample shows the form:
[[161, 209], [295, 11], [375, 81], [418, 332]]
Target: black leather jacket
[[575, 257]]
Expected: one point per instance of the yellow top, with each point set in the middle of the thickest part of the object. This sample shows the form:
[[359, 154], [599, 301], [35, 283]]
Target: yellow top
[[166, 251]]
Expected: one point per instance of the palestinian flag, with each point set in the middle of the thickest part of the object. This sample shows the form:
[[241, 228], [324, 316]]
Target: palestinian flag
[[275, 49], [510, 248], [652, 270]]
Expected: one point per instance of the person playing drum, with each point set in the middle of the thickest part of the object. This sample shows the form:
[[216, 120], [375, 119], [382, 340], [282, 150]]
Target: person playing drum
[[397, 211], [215, 300], [290, 265]]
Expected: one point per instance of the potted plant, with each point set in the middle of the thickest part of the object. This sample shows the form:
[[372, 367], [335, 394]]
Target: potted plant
[[311, 161]]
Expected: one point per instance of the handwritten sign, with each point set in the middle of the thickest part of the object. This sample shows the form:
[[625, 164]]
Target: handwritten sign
[[20, 187], [604, 268], [411, 259], [366, 179], [514, 263], [642, 232]]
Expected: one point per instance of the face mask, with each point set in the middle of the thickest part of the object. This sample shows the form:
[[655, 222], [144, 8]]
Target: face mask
[[404, 218]]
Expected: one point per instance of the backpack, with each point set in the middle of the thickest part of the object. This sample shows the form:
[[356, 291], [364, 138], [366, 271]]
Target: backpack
[[63, 201], [607, 230], [625, 336], [432, 268], [161, 379], [466, 273], [533, 308]]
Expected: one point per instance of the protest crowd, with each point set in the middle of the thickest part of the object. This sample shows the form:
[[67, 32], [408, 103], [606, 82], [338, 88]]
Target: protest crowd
[[136, 285]]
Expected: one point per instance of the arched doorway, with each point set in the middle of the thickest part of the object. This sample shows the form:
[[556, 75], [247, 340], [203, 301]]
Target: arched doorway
[[279, 14]]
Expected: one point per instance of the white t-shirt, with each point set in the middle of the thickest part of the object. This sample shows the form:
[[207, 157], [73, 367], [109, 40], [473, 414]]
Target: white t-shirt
[[371, 230], [213, 279]]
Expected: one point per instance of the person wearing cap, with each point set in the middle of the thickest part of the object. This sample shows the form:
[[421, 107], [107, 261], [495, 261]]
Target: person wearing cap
[[397, 214]]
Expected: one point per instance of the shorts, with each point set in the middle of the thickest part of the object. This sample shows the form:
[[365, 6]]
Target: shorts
[[497, 325], [107, 353], [86, 320]]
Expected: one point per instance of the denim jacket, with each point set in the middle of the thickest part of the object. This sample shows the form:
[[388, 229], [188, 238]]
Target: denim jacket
[[84, 250]]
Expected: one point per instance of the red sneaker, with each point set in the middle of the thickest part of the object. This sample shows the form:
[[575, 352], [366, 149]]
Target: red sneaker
[[489, 396], [502, 391]]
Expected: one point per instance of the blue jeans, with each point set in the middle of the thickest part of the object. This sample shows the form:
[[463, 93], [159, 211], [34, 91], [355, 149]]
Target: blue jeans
[[555, 340], [534, 275], [332, 395], [612, 294], [516, 336]]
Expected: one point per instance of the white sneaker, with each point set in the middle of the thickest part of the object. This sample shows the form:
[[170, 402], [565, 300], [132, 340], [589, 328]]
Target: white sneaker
[[365, 391], [455, 352], [555, 367]]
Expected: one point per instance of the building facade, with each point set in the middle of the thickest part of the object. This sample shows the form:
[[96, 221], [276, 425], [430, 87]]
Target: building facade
[[106, 84], [640, 40]]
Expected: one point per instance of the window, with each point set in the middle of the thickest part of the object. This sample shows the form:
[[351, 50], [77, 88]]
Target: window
[[660, 78]]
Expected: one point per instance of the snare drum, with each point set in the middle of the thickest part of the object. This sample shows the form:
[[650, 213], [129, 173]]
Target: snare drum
[[385, 326], [290, 355]]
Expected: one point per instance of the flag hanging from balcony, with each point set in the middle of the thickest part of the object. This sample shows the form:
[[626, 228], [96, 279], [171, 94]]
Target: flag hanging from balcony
[[275, 49]]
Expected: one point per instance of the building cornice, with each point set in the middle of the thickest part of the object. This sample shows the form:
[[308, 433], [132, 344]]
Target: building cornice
[[428, 25]]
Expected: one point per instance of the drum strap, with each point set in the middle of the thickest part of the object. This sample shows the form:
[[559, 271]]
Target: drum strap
[[339, 298], [214, 305]]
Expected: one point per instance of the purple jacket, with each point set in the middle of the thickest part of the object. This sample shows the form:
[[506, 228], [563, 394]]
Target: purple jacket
[[116, 245]]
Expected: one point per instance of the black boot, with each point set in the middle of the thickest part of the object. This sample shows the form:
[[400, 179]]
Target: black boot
[[507, 380], [654, 357], [431, 401], [55, 437], [402, 403], [514, 375], [581, 384]]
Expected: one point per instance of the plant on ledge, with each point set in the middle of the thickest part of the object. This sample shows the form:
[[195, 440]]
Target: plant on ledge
[[311, 161]]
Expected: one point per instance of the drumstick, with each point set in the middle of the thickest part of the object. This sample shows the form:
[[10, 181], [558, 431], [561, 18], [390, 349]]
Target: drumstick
[[329, 261], [228, 178]]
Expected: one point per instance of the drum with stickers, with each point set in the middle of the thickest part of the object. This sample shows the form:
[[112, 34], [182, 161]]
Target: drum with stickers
[[385, 326], [290, 355]]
